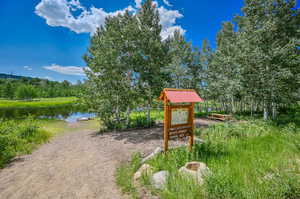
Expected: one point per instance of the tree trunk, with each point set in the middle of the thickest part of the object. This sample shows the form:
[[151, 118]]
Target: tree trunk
[[128, 116], [149, 111], [233, 110], [266, 111], [251, 107], [274, 111], [223, 106]]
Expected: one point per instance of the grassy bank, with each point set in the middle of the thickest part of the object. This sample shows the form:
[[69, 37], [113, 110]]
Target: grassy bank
[[37, 103], [20, 137], [248, 160]]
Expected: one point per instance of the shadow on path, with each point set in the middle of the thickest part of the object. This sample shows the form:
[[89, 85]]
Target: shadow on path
[[137, 136]]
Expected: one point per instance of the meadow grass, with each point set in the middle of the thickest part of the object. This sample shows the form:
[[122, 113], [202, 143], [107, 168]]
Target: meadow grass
[[20, 137], [37, 103], [248, 160]]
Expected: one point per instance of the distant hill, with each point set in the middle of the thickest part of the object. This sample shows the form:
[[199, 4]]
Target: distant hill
[[7, 76]]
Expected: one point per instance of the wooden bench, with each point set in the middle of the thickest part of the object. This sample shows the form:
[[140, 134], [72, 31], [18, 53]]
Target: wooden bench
[[220, 117]]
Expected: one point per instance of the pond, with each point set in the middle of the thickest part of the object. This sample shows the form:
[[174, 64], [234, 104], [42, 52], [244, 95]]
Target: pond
[[69, 113]]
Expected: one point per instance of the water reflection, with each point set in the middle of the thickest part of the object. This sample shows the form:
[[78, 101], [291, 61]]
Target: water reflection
[[70, 113]]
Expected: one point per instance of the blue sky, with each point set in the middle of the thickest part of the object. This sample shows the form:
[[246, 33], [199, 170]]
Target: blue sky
[[47, 38]]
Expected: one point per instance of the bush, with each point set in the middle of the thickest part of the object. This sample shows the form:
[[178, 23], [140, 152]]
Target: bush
[[17, 138]]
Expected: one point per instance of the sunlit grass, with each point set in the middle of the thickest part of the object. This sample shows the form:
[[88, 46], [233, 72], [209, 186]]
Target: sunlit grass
[[37, 103], [248, 160], [20, 137], [57, 127]]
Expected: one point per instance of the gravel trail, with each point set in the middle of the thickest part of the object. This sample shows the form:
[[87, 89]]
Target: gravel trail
[[75, 165], [79, 164]]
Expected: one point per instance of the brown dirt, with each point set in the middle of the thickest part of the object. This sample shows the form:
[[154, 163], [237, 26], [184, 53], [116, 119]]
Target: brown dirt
[[79, 164]]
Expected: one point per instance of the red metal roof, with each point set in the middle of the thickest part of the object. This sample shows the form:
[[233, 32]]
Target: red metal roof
[[179, 96]]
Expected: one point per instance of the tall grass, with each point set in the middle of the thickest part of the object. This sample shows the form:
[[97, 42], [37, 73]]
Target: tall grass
[[19, 137], [248, 160], [139, 119], [125, 173]]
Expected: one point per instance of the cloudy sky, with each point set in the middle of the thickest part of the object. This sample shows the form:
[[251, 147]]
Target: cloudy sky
[[47, 38]]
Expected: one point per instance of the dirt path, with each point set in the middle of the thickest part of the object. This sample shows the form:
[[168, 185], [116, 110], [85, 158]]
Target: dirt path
[[76, 165]]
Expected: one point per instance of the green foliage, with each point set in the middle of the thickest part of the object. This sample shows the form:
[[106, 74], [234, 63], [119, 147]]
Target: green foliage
[[7, 90], [256, 61], [26, 92], [29, 88], [17, 138], [140, 120], [181, 53], [126, 59], [254, 68]]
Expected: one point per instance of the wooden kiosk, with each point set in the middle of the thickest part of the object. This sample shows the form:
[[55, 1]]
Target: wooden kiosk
[[179, 114]]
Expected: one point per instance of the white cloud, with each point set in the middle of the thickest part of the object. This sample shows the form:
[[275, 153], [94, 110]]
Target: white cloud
[[168, 21], [167, 3], [59, 13], [67, 70], [138, 3], [27, 68]]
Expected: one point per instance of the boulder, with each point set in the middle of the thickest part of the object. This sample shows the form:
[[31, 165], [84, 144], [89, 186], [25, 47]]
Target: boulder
[[195, 170], [159, 179]]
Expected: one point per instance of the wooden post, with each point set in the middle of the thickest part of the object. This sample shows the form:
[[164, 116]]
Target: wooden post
[[191, 118], [166, 124]]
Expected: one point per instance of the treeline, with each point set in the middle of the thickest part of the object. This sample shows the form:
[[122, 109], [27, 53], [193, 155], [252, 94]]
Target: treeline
[[255, 64], [29, 88]]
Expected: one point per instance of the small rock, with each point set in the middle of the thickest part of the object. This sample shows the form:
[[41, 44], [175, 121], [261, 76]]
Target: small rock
[[145, 168], [156, 151], [196, 170], [83, 119], [198, 140], [159, 179], [269, 176]]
